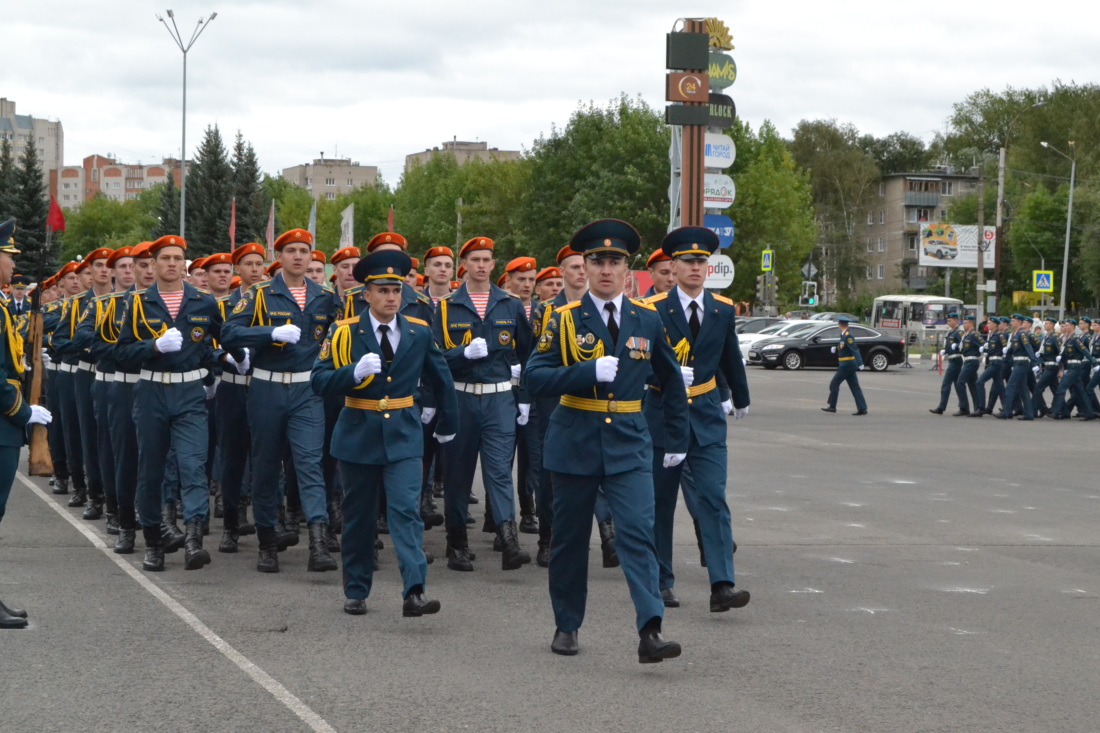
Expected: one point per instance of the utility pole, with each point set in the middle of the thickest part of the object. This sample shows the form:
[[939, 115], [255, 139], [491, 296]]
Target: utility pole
[[980, 283]]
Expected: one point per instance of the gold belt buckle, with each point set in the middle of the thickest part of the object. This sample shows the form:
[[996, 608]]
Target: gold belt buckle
[[612, 406], [383, 403]]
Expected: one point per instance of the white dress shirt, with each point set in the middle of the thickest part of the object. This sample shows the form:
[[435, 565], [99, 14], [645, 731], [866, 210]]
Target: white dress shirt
[[686, 301], [617, 300], [394, 334]]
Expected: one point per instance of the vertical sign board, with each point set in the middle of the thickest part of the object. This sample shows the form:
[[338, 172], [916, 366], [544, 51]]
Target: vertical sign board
[[1042, 281], [767, 260], [718, 191], [721, 225], [719, 151]]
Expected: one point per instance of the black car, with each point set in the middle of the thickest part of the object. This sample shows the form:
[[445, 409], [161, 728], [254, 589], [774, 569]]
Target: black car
[[815, 349]]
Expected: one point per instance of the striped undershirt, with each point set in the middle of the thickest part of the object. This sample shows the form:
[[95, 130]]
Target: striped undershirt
[[299, 296], [481, 303], [172, 301], [527, 310]]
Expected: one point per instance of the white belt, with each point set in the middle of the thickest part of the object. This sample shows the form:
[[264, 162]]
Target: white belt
[[173, 377], [996, 358], [51, 367], [241, 379], [1076, 361], [954, 356], [127, 378], [104, 376], [514, 382], [281, 377], [63, 367], [480, 389], [84, 366], [971, 358], [1020, 358]]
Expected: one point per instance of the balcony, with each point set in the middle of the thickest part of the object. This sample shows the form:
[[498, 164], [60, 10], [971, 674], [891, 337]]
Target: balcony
[[928, 200]]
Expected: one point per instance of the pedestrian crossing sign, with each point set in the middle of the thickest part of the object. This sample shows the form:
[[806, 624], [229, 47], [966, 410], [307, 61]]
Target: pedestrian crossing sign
[[766, 260], [1042, 281]]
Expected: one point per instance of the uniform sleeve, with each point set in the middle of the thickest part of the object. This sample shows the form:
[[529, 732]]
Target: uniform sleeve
[[326, 380], [131, 350], [732, 367], [16, 409]]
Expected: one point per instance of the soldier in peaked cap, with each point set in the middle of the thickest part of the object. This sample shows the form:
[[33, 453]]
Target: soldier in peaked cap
[[953, 358], [597, 357], [970, 344], [374, 361], [993, 348], [18, 305], [1021, 353], [1076, 361]]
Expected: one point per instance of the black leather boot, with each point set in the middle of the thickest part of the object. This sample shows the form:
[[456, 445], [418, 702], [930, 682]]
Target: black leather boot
[[244, 527], [60, 485], [489, 526], [699, 542], [459, 556], [219, 505], [335, 517], [607, 544], [319, 559], [428, 513], [268, 561], [512, 557], [80, 496], [95, 503], [331, 540], [542, 557], [112, 516], [528, 524], [154, 549], [284, 536], [127, 532], [11, 618], [171, 534], [230, 534], [194, 557]]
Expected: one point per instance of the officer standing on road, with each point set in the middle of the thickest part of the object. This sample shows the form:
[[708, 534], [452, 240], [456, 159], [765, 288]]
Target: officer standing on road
[[375, 362], [951, 354], [1024, 361], [848, 362], [596, 355], [970, 347]]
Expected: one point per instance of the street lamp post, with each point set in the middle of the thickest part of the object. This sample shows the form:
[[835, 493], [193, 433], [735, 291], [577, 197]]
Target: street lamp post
[[1069, 223], [184, 47]]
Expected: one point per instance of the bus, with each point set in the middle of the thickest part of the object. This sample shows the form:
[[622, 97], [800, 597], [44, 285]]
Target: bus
[[913, 312]]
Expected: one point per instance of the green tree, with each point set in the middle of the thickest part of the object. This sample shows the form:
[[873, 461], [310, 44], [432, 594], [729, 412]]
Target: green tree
[[209, 197], [898, 152], [7, 180], [30, 205], [292, 206], [105, 222], [252, 204], [492, 204], [168, 208], [426, 202]]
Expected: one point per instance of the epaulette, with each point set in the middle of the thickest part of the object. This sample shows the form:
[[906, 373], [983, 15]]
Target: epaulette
[[260, 285], [138, 291], [105, 296], [643, 303], [655, 298], [205, 291], [567, 306], [348, 321], [723, 299], [448, 295], [328, 289], [223, 298], [353, 290], [417, 321], [512, 294], [422, 298]]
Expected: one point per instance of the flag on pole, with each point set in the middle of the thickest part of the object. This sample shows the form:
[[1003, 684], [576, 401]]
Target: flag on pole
[[55, 220], [233, 225], [312, 226], [389, 220], [271, 232], [347, 226]]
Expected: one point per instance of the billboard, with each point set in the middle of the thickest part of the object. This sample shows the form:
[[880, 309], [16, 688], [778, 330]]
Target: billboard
[[955, 245]]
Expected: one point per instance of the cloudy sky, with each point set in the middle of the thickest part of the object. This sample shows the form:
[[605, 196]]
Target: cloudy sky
[[374, 81]]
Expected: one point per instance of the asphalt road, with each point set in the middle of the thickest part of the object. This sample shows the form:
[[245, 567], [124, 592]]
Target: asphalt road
[[909, 573]]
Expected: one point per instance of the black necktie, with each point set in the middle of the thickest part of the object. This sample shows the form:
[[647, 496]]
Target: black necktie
[[612, 325], [693, 321], [384, 342]]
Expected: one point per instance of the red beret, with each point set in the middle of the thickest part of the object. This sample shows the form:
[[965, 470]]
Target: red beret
[[82, 266], [273, 268], [118, 254], [564, 252], [419, 280], [415, 263], [521, 264], [69, 267], [658, 256], [345, 253], [219, 258], [168, 240], [294, 235], [199, 263], [101, 253], [235, 282], [387, 238], [546, 273], [252, 248], [461, 272], [141, 250], [318, 256], [438, 252], [500, 280], [475, 244]]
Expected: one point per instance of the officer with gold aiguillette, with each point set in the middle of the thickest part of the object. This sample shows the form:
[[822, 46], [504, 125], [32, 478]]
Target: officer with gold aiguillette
[[597, 354], [375, 362]]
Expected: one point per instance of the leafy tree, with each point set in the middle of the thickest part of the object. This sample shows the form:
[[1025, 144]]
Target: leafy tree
[[209, 197], [30, 205], [252, 204], [492, 204], [105, 222], [426, 202], [898, 152], [292, 206]]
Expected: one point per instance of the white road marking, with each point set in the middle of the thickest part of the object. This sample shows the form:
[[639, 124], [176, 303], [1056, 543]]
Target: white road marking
[[853, 524], [960, 632], [1003, 511], [807, 590], [262, 678], [902, 482], [977, 591], [854, 504], [1038, 537], [871, 611], [843, 561]]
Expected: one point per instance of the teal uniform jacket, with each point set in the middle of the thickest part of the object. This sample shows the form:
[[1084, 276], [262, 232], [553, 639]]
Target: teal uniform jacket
[[848, 349], [716, 352], [1050, 348], [971, 343], [63, 333], [1021, 344], [16, 409], [505, 328], [146, 317], [589, 443], [383, 437]]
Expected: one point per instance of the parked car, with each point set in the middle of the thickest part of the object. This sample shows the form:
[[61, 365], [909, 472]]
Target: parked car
[[783, 328], [832, 316], [755, 324], [812, 347]]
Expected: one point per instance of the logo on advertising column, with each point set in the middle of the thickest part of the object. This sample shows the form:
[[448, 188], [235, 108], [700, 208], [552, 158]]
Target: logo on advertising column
[[718, 191], [722, 70], [718, 151]]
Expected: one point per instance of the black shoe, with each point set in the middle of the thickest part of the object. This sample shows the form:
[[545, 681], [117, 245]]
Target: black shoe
[[653, 648], [565, 643], [428, 513], [154, 550], [194, 556], [473, 500], [437, 490], [670, 599], [725, 598], [470, 520], [979, 413], [61, 486], [828, 409], [383, 525], [378, 544], [17, 612], [936, 411], [498, 544], [80, 497], [125, 543], [355, 606], [268, 560], [607, 544], [1086, 419], [230, 541], [336, 517], [11, 621], [1025, 418], [459, 556], [172, 536], [319, 559], [331, 540], [112, 523], [512, 557], [244, 527], [960, 413], [542, 556], [528, 525], [416, 605], [284, 536], [859, 413], [1002, 416]]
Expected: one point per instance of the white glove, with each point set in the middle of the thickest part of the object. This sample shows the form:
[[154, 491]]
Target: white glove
[[40, 416], [1036, 370], [942, 352], [954, 346], [369, 364], [674, 459], [688, 373], [1058, 359], [211, 390], [524, 414], [606, 368], [1004, 350], [740, 412], [444, 438], [984, 348], [427, 414], [242, 367], [288, 334], [517, 369], [477, 349], [1095, 369], [832, 349], [727, 407], [170, 342], [46, 360], [859, 368]]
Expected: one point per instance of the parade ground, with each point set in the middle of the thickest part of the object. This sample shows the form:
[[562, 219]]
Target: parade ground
[[909, 572]]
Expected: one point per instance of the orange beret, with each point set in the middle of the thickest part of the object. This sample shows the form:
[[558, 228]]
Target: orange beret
[[546, 273], [415, 263], [235, 282], [141, 250], [438, 252], [118, 254], [658, 256], [455, 284], [387, 238], [521, 264], [168, 240], [294, 235], [332, 278], [219, 258], [419, 280], [199, 263], [252, 248], [68, 267], [564, 252], [318, 256], [273, 268], [82, 266], [345, 253], [101, 253], [461, 272], [500, 280], [475, 244]]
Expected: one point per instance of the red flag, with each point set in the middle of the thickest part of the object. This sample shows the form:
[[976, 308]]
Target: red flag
[[55, 220], [233, 226], [389, 220], [271, 232]]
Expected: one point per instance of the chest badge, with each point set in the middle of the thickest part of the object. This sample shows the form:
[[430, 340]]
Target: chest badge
[[197, 333], [504, 337]]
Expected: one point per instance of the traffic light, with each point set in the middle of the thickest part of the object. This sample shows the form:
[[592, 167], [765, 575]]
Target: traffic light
[[811, 293], [760, 294]]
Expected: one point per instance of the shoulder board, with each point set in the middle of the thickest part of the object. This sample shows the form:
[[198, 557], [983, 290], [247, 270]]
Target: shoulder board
[[328, 289], [511, 294], [204, 291], [567, 306], [224, 298], [106, 296], [261, 285], [723, 299], [655, 298], [644, 303], [422, 298], [348, 321], [353, 290], [547, 303], [417, 321]]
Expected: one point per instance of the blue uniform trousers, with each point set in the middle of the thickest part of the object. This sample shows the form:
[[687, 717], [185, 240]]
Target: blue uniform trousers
[[9, 462], [630, 496], [56, 429], [170, 487], [70, 422], [281, 417], [1090, 391], [105, 453], [120, 418], [1047, 380], [486, 427], [968, 380], [86, 424], [1074, 379], [1017, 393], [329, 465], [845, 372], [231, 412], [362, 484], [544, 487], [704, 485], [950, 379], [993, 373], [171, 417]]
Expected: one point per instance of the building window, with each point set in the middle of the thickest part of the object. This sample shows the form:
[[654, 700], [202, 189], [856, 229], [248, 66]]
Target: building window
[[116, 184], [881, 272], [916, 215], [912, 242], [868, 272], [881, 244], [870, 218], [351, 183], [330, 181], [881, 217], [330, 196], [95, 174], [943, 216], [67, 197], [882, 188], [947, 188], [870, 247], [309, 181]]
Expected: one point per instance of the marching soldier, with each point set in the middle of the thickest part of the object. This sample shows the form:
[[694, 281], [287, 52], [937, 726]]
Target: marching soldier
[[994, 370], [660, 272], [374, 361], [439, 266], [596, 355], [548, 284], [51, 318], [315, 271], [1075, 360], [951, 354], [1049, 349], [1022, 356], [970, 348], [848, 362], [520, 275]]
